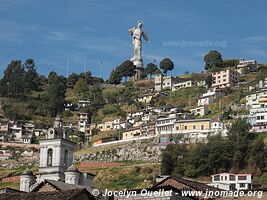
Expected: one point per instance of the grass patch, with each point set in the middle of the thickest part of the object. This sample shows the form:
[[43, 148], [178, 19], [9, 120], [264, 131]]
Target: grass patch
[[182, 97], [126, 177], [261, 180], [9, 185]]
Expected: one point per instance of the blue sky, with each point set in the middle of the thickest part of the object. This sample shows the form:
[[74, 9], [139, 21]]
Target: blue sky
[[54, 31]]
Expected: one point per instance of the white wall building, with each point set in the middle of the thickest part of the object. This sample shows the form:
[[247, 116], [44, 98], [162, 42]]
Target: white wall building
[[246, 66], [228, 181], [120, 124], [200, 111], [256, 103], [210, 97], [165, 124], [83, 103], [263, 84], [83, 121], [184, 84], [164, 82], [226, 78]]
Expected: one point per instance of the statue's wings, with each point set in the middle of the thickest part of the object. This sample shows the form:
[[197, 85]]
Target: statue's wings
[[131, 30], [145, 36]]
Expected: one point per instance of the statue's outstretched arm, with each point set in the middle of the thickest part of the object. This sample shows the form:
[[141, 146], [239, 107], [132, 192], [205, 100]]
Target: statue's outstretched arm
[[145, 35], [131, 30]]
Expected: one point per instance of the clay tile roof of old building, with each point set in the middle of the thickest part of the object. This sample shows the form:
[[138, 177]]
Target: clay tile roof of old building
[[66, 195], [59, 185], [180, 184]]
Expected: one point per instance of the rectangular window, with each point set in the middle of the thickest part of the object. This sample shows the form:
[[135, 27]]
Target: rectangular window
[[242, 178], [242, 185], [216, 178]]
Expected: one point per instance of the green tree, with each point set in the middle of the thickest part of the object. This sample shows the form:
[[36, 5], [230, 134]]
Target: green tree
[[80, 87], [32, 80], [241, 150], [209, 80], [151, 69], [115, 77], [129, 94], [127, 69], [171, 158], [213, 59], [230, 63], [55, 94], [13, 82], [72, 79], [166, 65]]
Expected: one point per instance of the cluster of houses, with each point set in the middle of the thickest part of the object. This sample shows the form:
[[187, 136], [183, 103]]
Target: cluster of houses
[[256, 103], [19, 132], [58, 178], [165, 122], [192, 125]]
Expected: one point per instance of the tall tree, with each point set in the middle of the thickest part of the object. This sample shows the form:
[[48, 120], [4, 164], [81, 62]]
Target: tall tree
[[230, 62], [208, 81], [80, 87], [151, 69], [213, 60], [55, 94], [72, 79], [127, 69], [115, 77], [166, 65], [32, 80], [14, 80]]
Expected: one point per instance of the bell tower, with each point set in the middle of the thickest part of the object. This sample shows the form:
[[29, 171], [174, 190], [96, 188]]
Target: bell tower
[[56, 153]]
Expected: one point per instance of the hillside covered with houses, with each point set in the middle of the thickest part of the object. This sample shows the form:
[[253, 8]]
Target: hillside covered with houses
[[121, 120]]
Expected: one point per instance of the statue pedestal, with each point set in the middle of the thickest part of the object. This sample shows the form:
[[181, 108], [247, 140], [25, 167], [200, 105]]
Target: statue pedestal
[[139, 70]]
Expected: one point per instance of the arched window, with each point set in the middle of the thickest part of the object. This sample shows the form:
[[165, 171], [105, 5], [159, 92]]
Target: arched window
[[49, 157]]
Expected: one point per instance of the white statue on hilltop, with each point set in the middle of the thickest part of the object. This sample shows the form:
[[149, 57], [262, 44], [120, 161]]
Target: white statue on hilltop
[[137, 35]]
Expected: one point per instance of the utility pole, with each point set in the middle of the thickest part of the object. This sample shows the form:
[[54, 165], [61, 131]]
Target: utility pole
[[67, 67], [101, 68], [84, 64]]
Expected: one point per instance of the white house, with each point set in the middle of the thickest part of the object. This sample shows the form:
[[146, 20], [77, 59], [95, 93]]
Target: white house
[[17, 131], [257, 105], [228, 181], [200, 111], [184, 84], [209, 97], [83, 121], [165, 124], [226, 78], [164, 82], [246, 66], [263, 84], [146, 98], [83, 103], [120, 124]]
